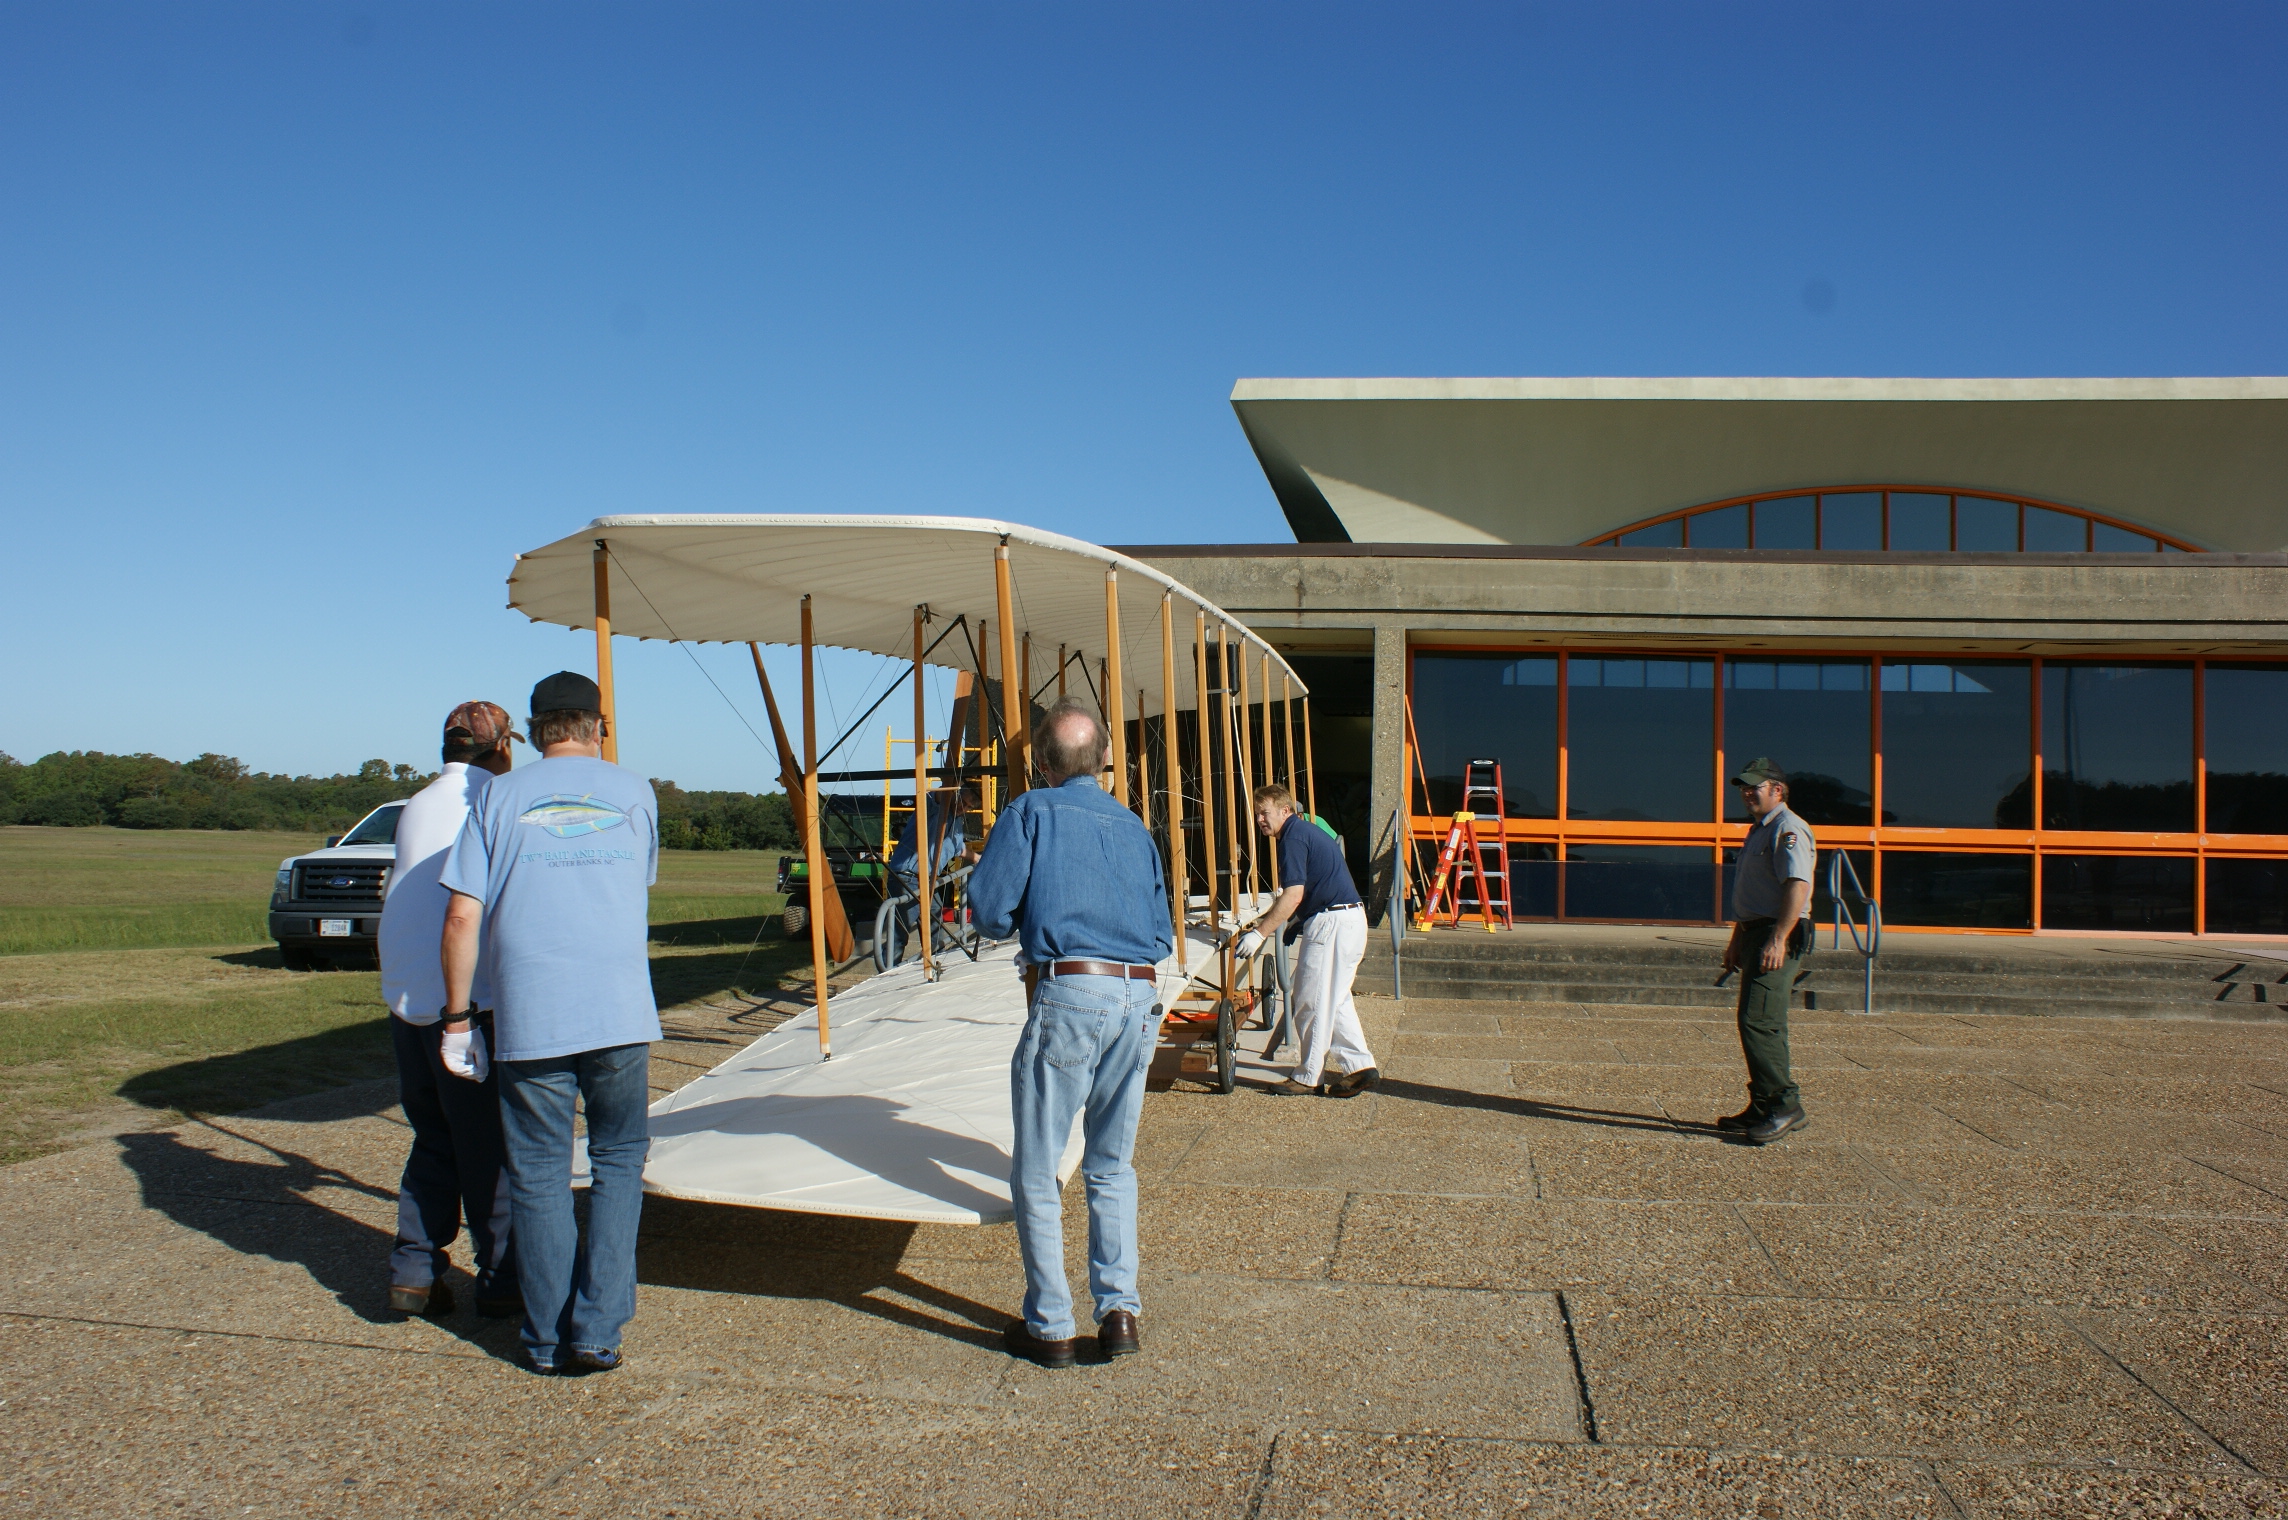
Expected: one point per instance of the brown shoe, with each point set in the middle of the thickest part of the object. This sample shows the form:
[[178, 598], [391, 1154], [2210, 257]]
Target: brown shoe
[[1116, 1336], [1022, 1342], [429, 1302], [1293, 1088]]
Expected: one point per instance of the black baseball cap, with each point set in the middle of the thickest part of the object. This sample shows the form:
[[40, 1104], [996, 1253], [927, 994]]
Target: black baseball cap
[[567, 691], [1758, 771]]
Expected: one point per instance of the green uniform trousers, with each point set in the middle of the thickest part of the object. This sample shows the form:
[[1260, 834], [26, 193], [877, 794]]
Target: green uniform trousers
[[1763, 1015]]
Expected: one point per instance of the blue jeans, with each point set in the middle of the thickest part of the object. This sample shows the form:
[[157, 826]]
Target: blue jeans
[[1087, 1042], [453, 1171], [578, 1294]]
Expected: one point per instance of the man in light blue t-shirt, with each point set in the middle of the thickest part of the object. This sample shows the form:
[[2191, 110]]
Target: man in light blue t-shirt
[[551, 882]]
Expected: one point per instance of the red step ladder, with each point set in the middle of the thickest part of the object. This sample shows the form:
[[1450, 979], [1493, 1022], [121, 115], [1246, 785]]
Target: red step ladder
[[1464, 849], [1493, 881]]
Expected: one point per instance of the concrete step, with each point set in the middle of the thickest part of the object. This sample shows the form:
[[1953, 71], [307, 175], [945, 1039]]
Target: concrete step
[[1651, 967], [1826, 972], [1589, 958], [1889, 998]]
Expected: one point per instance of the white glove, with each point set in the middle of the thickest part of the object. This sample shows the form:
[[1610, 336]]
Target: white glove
[[1246, 945], [464, 1054]]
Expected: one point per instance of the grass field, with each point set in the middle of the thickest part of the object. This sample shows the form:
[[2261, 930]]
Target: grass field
[[138, 982]]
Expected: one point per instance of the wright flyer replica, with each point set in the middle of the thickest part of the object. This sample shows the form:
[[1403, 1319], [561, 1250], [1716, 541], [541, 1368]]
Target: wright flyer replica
[[890, 1100]]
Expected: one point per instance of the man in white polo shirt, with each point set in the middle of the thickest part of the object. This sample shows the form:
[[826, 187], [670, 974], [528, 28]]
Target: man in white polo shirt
[[454, 1169]]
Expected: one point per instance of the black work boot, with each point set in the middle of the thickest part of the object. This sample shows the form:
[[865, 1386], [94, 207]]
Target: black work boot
[[1776, 1126]]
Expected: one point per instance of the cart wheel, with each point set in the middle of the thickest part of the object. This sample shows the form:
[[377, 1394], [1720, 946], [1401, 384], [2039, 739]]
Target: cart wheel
[[795, 920], [1227, 1048]]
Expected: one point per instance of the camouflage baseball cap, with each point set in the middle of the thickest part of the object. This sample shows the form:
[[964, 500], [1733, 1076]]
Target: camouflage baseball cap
[[483, 722], [1758, 771]]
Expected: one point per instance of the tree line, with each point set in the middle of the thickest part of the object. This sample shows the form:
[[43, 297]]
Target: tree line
[[86, 788]]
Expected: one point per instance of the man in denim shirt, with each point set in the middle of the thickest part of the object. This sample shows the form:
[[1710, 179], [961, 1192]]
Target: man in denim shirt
[[1078, 879]]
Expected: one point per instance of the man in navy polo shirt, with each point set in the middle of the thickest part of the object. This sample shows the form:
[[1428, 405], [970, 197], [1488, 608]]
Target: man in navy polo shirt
[[1329, 935]]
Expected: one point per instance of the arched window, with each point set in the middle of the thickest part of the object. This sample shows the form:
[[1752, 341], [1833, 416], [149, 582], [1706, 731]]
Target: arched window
[[1893, 518]]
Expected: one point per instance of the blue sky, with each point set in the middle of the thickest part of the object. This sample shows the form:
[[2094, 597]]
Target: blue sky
[[312, 315]]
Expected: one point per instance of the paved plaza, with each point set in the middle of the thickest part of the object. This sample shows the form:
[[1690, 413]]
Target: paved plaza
[[2016, 1267]]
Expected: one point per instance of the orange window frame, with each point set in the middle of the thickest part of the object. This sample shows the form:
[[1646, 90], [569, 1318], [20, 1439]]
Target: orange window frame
[[1564, 832]]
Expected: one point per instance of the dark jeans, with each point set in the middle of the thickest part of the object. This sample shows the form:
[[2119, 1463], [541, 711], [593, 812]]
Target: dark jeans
[[578, 1292], [1763, 1015], [454, 1170]]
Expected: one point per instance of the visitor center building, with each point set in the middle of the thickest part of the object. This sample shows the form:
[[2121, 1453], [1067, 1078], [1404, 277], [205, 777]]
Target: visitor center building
[[2018, 642]]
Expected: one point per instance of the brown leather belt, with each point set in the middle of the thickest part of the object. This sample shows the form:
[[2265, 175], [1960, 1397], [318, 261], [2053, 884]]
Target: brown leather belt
[[1033, 974]]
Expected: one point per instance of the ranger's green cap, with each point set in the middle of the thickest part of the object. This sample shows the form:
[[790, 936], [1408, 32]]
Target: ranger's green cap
[[1759, 770]]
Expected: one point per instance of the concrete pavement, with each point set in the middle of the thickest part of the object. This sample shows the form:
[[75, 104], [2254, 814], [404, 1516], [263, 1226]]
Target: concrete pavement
[[2015, 1267]]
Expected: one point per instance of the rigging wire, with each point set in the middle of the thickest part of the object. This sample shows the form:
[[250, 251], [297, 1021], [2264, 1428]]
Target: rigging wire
[[828, 753], [672, 638]]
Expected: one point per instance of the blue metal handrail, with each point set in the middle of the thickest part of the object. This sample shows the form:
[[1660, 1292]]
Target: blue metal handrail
[[1396, 912], [1871, 945]]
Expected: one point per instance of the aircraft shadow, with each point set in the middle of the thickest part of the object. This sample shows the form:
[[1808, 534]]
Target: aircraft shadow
[[777, 1253]]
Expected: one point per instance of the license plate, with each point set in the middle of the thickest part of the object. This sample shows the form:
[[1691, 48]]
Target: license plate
[[337, 926]]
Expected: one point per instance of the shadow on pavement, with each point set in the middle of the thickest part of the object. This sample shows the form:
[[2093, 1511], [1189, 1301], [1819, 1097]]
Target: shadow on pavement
[[356, 1053], [275, 1207], [1536, 1108], [719, 1248]]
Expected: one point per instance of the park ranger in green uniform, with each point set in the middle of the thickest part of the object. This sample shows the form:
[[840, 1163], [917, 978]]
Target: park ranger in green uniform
[[1770, 940]]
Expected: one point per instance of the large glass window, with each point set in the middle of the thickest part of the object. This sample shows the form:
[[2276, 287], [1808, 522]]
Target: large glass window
[[1788, 522], [1667, 535], [1939, 890], [2246, 714], [1724, 528], [1640, 738], [1502, 706], [1673, 882], [2130, 893], [2117, 750], [1812, 718], [1533, 870], [2105, 538], [1649, 835], [1958, 744], [1851, 520], [1982, 526], [2247, 896], [2049, 531], [1921, 522]]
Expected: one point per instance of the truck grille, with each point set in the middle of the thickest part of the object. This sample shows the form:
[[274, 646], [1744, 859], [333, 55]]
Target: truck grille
[[358, 881]]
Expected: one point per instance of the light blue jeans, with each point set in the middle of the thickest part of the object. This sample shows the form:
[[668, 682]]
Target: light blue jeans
[[578, 1294], [1087, 1042]]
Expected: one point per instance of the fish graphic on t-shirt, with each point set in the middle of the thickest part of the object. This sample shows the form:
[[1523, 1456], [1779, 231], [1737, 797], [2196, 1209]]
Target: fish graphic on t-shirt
[[567, 817]]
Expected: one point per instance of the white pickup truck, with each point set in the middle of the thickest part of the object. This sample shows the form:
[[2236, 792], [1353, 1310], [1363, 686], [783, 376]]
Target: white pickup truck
[[326, 906]]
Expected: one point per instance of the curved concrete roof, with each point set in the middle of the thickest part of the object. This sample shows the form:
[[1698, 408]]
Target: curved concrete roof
[[1561, 460]]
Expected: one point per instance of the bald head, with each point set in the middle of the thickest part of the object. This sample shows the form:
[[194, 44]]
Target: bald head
[[1069, 742]]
